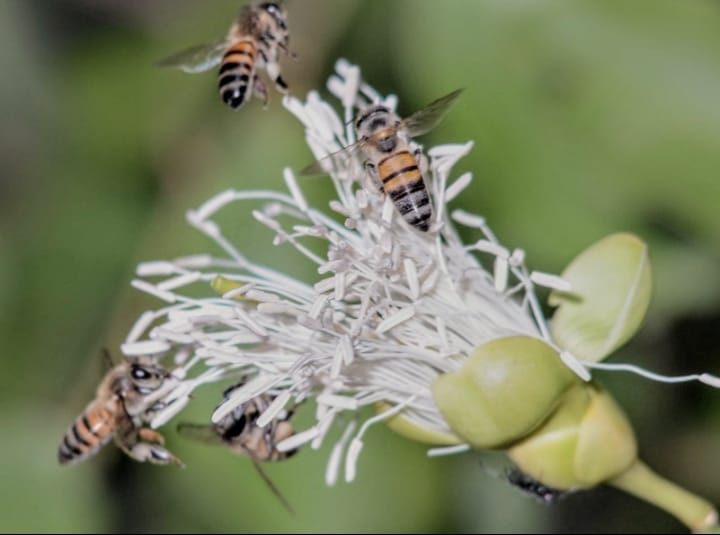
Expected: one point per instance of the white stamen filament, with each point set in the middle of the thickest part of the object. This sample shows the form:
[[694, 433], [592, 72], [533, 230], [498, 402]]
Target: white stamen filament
[[333, 465], [144, 347], [153, 290], [448, 450], [273, 409]]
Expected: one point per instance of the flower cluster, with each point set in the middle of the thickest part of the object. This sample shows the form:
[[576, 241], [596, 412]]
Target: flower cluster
[[445, 341], [393, 309]]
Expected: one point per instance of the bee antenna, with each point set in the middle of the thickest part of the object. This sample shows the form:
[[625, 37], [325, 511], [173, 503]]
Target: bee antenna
[[273, 487], [107, 357]]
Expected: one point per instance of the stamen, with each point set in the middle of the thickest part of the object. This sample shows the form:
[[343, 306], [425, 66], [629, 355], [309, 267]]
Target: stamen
[[333, 465], [448, 450], [140, 326], [274, 408], [458, 186], [550, 281], [145, 347], [153, 290], [179, 281]]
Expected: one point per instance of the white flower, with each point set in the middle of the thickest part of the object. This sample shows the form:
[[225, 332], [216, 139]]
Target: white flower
[[393, 307]]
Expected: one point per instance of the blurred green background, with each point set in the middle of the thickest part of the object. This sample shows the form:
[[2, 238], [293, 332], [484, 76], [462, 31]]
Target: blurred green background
[[588, 118]]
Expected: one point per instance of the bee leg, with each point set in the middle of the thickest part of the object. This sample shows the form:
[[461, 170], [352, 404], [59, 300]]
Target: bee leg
[[371, 170], [260, 90], [284, 46], [421, 160], [143, 444], [150, 435], [273, 70], [144, 451], [156, 407]]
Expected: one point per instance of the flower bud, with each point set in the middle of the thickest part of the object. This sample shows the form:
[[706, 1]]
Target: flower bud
[[586, 441], [612, 283], [505, 390]]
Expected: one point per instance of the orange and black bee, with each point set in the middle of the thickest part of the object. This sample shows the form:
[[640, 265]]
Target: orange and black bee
[[384, 144], [118, 412], [240, 433], [252, 44]]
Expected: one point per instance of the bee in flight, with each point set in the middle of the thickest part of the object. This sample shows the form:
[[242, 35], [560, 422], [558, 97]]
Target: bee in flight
[[253, 43], [384, 145], [118, 411], [240, 433]]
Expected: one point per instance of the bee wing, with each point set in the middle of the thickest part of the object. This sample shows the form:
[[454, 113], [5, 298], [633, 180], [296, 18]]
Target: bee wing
[[273, 487], [428, 117], [204, 433], [197, 58], [332, 162]]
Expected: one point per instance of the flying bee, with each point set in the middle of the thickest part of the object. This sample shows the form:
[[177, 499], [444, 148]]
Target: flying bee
[[252, 44], [240, 433], [118, 411], [542, 492], [384, 145]]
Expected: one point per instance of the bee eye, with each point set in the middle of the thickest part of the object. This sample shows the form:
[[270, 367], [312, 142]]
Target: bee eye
[[140, 373], [236, 428]]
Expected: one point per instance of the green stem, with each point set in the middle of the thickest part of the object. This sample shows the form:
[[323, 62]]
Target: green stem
[[693, 511]]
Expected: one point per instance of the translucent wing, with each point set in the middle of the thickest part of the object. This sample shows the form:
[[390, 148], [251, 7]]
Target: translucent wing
[[273, 487], [198, 58], [428, 117], [200, 433], [333, 163]]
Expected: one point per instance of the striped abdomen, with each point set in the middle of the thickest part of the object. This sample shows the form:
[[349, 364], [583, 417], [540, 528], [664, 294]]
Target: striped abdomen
[[88, 433], [236, 73], [403, 181]]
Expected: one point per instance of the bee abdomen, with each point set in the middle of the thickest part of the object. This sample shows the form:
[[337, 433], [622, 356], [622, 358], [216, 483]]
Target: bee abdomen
[[413, 203], [88, 433], [404, 182], [236, 73]]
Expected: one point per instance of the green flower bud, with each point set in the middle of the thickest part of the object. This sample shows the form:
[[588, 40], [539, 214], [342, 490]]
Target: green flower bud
[[506, 388], [585, 442], [611, 283]]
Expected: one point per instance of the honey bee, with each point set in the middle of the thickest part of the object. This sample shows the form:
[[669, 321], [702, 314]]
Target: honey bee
[[118, 411], [384, 144], [253, 43], [239, 432]]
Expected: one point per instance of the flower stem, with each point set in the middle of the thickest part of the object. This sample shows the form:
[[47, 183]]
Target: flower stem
[[693, 511]]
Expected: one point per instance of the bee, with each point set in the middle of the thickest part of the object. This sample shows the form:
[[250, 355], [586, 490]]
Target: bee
[[240, 433], [252, 44], [543, 493], [118, 411], [384, 145]]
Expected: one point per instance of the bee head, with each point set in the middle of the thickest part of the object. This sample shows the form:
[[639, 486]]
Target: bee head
[[147, 375], [373, 119], [277, 11]]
